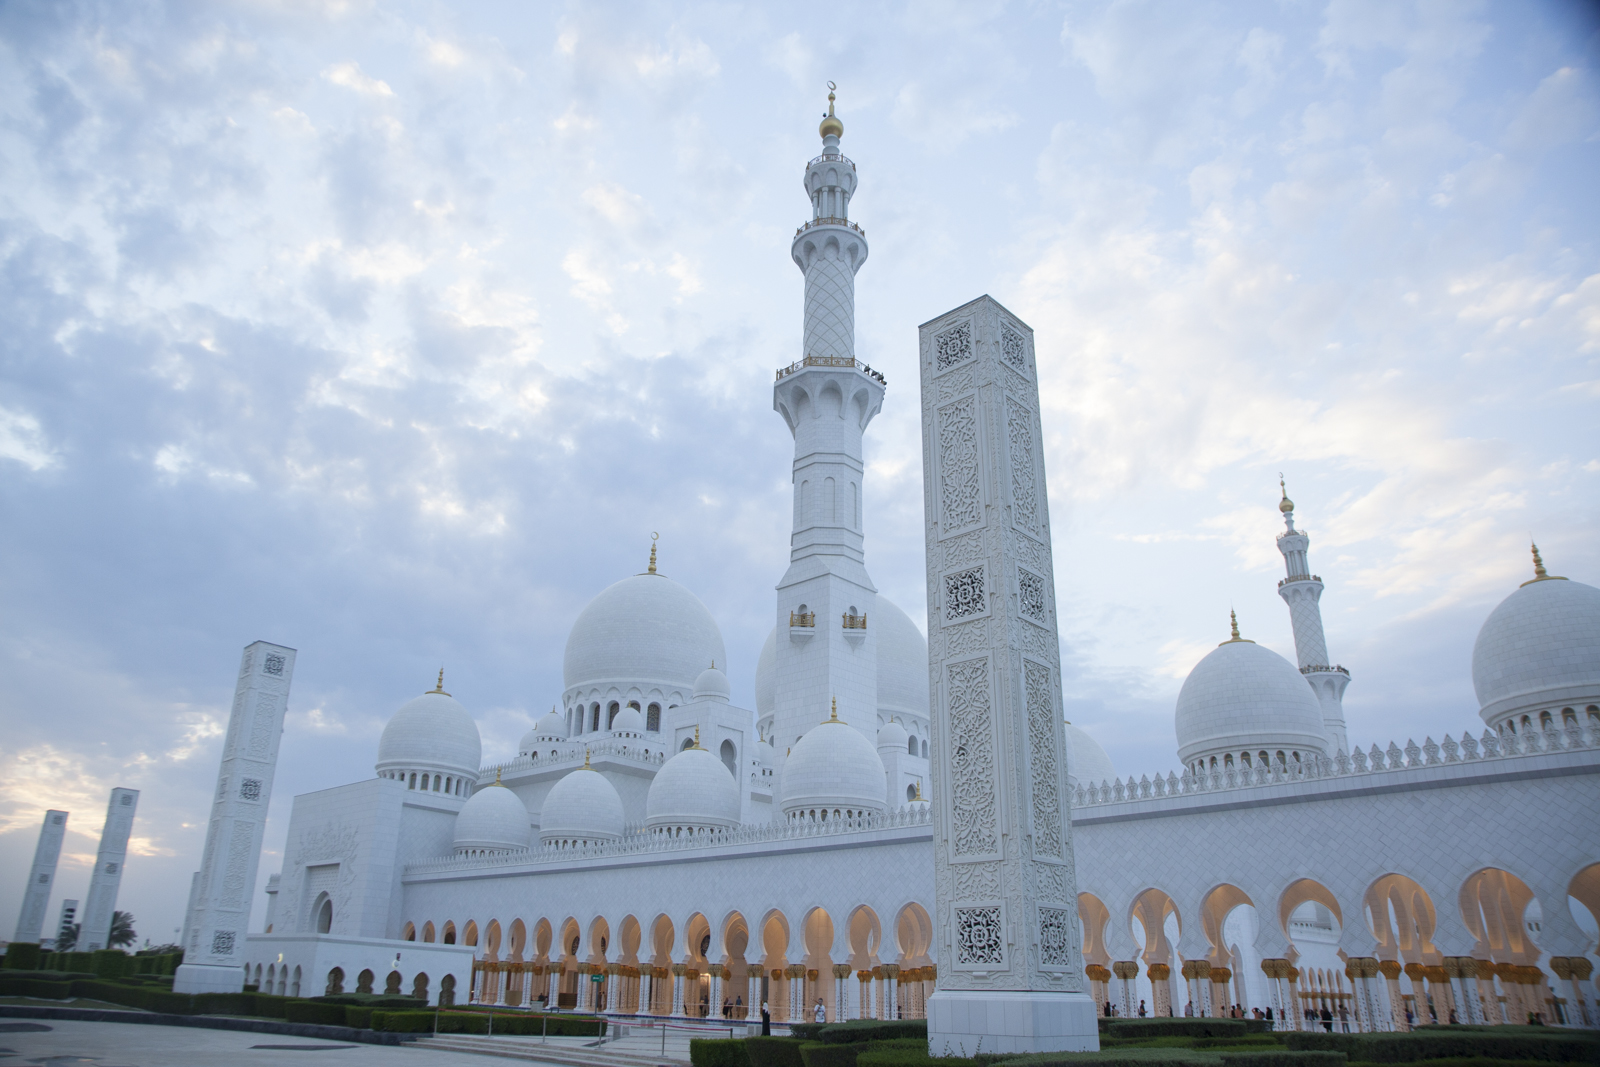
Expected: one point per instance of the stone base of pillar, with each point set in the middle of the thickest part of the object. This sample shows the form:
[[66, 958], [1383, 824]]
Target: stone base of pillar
[[968, 1022], [204, 978]]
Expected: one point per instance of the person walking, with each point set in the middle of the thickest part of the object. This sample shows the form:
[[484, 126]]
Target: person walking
[[1141, 1009], [766, 1020], [820, 1013]]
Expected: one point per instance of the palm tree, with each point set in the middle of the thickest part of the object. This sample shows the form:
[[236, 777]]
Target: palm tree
[[67, 939], [121, 929]]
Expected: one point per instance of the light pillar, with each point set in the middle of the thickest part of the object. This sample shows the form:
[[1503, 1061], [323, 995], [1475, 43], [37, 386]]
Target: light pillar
[[107, 877], [41, 877], [221, 912]]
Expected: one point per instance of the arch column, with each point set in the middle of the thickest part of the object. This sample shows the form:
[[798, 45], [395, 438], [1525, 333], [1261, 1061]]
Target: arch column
[[1127, 971], [612, 971], [1219, 991], [753, 999], [891, 990], [841, 1000], [555, 986], [865, 978], [1397, 1003], [716, 990], [677, 989], [1573, 970], [1462, 973], [796, 973]]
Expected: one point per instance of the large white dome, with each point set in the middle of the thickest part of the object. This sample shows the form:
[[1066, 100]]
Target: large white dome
[[692, 791], [833, 771], [583, 808], [493, 819], [431, 732], [646, 630], [1087, 762], [1538, 651], [902, 662], [1244, 698]]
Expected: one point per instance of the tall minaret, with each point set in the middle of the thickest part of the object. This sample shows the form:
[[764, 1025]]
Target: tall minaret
[[1302, 591], [826, 644]]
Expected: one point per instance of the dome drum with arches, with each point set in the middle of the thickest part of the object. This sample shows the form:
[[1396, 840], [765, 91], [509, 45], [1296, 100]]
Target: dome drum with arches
[[432, 743], [692, 793], [582, 809], [833, 771], [493, 821]]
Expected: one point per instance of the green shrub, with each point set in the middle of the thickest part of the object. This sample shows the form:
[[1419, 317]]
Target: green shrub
[[309, 1011], [471, 1022], [831, 1053], [43, 988], [1528, 1043], [1283, 1058], [360, 1018], [1142, 1028], [774, 1051], [910, 1057], [858, 1030], [718, 1052], [22, 956], [109, 962]]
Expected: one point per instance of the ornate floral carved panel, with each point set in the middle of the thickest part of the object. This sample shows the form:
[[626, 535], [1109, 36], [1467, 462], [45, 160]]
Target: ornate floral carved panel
[[1031, 599], [953, 346], [965, 596], [1024, 487], [972, 763], [960, 481], [1013, 348], [1039, 692], [980, 937]]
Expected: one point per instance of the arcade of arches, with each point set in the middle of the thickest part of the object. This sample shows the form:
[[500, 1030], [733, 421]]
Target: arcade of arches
[[696, 969], [1409, 981]]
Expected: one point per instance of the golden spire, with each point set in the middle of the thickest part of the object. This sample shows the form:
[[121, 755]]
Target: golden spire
[[1233, 620], [833, 716], [497, 776], [919, 795], [586, 759], [438, 686], [696, 735], [1539, 573], [1285, 505], [654, 537], [830, 121]]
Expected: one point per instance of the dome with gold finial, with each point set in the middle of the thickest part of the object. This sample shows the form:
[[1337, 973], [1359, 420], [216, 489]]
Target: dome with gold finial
[[831, 125], [432, 736], [493, 821], [692, 793], [581, 809], [833, 772], [1538, 652], [1242, 700], [1285, 505]]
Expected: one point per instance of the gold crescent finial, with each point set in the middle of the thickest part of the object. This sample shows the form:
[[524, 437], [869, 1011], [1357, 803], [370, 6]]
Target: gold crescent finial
[[586, 759], [497, 776], [833, 716], [919, 795], [438, 687], [1285, 505], [1233, 623], [696, 735], [830, 121], [654, 537]]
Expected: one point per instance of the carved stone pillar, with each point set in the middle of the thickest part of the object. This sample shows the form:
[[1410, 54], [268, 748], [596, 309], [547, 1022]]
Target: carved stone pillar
[[1126, 971], [677, 989], [1573, 970], [1220, 1000], [1488, 996], [1004, 887], [841, 996], [891, 990], [1160, 989], [1397, 1003]]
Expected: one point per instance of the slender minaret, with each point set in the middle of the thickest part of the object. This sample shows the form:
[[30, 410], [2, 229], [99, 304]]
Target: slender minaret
[[95, 932], [1302, 591], [826, 644], [69, 911], [41, 876], [218, 915]]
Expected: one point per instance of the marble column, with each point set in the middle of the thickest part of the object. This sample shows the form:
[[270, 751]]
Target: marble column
[[106, 879], [41, 877]]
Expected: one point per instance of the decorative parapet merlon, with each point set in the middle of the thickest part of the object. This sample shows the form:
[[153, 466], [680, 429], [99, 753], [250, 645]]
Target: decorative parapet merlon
[[1492, 746], [1299, 578], [1323, 668], [832, 361], [829, 220], [569, 749], [803, 618], [636, 841], [854, 622]]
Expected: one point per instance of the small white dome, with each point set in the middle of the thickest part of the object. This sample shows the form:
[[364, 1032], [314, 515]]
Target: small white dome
[[431, 732], [893, 735], [1087, 762], [712, 684], [833, 769], [1539, 650], [692, 791], [493, 819], [902, 662], [645, 631], [767, 677], [1245, 698], [583, 808], [628, 721], [549, 729]]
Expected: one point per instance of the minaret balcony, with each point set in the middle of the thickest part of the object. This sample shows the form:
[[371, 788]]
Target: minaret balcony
[[832, 157], [1299, 578], [806, 619], [1323, 668], [831, 361], [830, 220], [854, 622]]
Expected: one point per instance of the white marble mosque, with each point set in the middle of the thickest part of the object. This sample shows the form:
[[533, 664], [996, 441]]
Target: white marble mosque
[[652, 848]]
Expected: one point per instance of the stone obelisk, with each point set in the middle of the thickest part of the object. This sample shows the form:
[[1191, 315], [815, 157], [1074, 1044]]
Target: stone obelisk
[[1010, 948], [219, 911], [41, 876], [95, 926]]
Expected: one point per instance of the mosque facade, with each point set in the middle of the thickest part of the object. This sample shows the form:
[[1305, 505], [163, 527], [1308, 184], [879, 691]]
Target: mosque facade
[[652, 848]]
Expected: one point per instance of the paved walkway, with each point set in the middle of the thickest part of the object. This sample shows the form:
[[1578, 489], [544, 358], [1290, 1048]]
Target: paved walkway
[[71, 1043]]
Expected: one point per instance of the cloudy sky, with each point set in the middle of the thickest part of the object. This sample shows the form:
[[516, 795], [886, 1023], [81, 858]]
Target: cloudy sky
[[391, 331]]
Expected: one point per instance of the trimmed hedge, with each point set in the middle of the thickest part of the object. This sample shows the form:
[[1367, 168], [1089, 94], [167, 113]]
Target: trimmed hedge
[[1135, 1057], [463, 1022], [835, 1054], [43, 988], [308, 1011], [380, 1001], [1283, 1058], [22, 956], [1527, 1044], [774, 1051], [718, 1052], [108, 962], [858, 1030]]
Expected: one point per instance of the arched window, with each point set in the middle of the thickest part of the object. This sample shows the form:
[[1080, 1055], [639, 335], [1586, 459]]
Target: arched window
[[802, 514], [652, 719], [855, 506], [335, 982], [611, 713], [688, 743], [594, 717], [325, 916], [911, 792], [730, 758], [830, 512], [1227, 760], [911, 746], [413, 784]]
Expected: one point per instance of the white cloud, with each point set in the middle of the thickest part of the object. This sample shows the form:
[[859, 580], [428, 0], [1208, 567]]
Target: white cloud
[[22, 440], [349, 75]]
